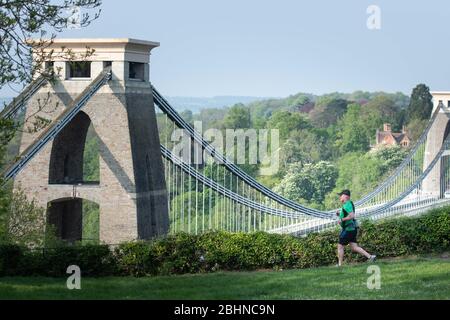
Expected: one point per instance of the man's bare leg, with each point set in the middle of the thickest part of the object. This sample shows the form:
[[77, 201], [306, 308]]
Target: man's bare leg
[[358, 249], [340, 254]]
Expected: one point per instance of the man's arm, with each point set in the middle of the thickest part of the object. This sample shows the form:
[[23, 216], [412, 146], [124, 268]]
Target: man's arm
[[350, 216]]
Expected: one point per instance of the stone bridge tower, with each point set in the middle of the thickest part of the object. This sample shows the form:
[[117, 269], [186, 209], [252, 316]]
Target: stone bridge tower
[[432, 184], [131, 191]]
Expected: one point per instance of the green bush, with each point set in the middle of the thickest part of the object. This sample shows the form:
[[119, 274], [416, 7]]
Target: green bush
[[92, 260], [394, 237], [134, 258], [10, 257], [212, 251]]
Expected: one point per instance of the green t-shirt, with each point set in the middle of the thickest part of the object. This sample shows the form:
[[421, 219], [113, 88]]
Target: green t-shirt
[[350, 224]]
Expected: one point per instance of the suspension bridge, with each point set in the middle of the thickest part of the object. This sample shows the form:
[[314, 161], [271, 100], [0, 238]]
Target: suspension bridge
[[146, 189]]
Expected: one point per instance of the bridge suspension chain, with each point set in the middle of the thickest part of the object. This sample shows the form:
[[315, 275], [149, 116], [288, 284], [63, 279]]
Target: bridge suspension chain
[[19, 103], [384, 200]]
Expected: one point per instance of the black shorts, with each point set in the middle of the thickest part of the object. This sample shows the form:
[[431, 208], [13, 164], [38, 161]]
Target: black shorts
[[347, 236]]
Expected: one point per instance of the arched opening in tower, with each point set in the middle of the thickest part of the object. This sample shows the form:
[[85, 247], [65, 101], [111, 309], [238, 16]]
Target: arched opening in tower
[[75, 157], [74, 220], [91, 158]]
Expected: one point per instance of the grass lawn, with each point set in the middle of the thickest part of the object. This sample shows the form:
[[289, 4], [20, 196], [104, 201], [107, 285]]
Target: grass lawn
[[410, 278]]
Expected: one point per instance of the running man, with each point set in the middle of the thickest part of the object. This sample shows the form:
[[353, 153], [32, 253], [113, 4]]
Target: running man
[[349, 229]]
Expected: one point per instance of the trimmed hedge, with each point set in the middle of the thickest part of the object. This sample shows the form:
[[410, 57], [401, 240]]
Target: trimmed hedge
[[53, 262], [209, 252]]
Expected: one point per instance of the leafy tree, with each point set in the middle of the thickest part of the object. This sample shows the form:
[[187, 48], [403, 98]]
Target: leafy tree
[[287, 122], [421, 104], [300, 101], [310, 182], [358, 172], [28, 19], [24, 222], [384, 106], [296, 185], [187, 115], [357, 128], [415, 128], [260, 123], [381, 109], [401, 119], [390, 157], [266, 108], [238, 117], [305, 146], [211, 117], [303, 104], [327, 111], [324, 175], [352, 133]]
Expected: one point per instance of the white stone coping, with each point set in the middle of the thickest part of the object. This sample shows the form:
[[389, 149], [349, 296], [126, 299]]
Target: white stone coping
[[90, 41]]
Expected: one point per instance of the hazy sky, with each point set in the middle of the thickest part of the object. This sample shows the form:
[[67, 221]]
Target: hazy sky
[[278, 48]]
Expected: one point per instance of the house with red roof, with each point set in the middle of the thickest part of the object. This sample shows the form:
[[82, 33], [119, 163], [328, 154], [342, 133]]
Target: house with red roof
[[389, 138]]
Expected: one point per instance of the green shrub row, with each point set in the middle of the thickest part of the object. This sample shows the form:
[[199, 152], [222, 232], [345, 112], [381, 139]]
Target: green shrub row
[[93, 260], [209, 252]]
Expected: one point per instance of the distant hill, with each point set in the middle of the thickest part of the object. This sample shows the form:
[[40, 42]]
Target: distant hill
[[304, 102], [195, 104]]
